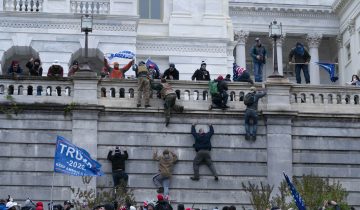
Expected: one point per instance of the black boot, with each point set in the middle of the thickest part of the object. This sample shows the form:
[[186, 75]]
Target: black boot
[[160, 190]]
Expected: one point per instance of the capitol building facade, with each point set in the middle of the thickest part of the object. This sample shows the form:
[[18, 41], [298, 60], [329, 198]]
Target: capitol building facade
[[183, 32]]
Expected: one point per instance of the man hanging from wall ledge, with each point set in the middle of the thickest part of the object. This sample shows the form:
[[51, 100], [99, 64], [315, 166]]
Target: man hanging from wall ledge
[[168, 94], [202, 147], [251, 118], [118, 166]]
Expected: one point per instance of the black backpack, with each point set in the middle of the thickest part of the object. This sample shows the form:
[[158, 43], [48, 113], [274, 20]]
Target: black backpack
[[249, 99]]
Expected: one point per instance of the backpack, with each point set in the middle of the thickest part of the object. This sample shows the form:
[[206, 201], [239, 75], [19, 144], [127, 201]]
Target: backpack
[[213, 87], [249, 99]]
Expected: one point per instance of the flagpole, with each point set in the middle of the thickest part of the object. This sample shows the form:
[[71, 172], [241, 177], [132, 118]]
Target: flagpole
[[52, 189], [311, 62]]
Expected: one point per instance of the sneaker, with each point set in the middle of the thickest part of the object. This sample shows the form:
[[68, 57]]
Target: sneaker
[[138, 105], [194, 178], [160, 190], [146, 106], [216, 178]]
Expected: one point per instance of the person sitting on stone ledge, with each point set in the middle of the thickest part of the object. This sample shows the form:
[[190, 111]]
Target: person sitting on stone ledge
[[116, 72], [240, 74], [171, 73], [118, 166], [168, 94], [55, 70], [220, 98], [34, 66], [166, 164], [251, 118], [201, 74], [15, 69], [202, 147], [74, 68]]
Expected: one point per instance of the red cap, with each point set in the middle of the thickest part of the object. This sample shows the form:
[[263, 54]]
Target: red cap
[[220, 77], [160, 197]]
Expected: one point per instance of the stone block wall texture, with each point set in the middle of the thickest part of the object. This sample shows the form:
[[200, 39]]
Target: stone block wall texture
[[323, 146]]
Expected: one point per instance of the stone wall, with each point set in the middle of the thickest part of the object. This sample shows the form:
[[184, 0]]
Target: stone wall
[[302, 130]]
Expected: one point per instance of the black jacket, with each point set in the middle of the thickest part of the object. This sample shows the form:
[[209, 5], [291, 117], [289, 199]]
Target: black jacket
[[34, 70], [202, 141], [168, 73], [118, 160], [257, 96], [299, 58], [222, 85], [201, 75], [163, 205]]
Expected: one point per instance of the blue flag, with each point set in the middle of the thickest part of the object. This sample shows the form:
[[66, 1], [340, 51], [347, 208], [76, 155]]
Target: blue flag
[[73, 160], [122, 54], [298, 200], [330, 68], [150, 62]]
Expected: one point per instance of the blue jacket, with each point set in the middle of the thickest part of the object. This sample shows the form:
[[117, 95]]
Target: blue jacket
[[202, 141]]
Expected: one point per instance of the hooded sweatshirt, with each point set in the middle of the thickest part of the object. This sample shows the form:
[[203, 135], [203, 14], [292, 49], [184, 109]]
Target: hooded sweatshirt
[[166, 164]]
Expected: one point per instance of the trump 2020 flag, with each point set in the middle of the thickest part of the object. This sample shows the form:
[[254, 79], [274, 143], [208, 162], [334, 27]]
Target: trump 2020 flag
[[149, 62], [330, 68], [298, 200], [73, 160], [122, 54]]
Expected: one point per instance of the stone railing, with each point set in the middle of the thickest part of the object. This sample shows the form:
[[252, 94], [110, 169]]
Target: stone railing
[[90, 7], [23, 5], [336, 99], [193, 95], [37, 90]]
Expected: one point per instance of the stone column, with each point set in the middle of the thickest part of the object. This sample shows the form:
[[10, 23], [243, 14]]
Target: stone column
[[279, 44], [278, 130], [314, 42], [342, 74], [241, 37], [354, 65]]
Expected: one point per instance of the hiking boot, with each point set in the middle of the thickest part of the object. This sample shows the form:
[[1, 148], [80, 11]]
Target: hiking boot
[[216, 178], [247, 137], [160, 190], [194, 178], [146, 106], [253, 138], [181, 109], [138, 105], [167, 124]]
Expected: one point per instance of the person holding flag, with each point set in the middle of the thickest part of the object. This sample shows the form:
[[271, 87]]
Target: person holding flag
[[116, 72]]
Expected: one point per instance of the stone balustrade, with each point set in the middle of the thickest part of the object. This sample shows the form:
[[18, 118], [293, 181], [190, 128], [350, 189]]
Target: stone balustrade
[[23, 5], [192, 95], [35, 89], [90, 7]]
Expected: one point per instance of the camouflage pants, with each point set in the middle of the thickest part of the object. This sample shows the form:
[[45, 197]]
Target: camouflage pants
[[143, 89], [170, 105]]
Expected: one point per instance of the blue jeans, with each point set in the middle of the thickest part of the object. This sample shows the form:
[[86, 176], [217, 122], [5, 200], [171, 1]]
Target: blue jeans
[[258, 67], [161, 181], [251, 128], [119, 176], [305, 68]]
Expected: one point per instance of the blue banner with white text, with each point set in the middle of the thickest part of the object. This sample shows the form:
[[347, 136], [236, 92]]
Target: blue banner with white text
[[73, 160]]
